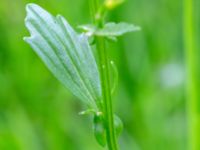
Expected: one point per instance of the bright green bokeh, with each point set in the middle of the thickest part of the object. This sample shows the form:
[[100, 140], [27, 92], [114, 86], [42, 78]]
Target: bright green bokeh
[[38, 113]]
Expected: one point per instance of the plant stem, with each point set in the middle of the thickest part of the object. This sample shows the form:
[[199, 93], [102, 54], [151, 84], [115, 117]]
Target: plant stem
[[192, 82], [105, 80], [107, 100]]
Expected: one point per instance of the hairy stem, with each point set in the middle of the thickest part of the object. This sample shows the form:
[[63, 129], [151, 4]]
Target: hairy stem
[[192, 82], [105, 80]]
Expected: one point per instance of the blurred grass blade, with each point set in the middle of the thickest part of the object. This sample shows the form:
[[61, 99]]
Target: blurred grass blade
[[67, 54]]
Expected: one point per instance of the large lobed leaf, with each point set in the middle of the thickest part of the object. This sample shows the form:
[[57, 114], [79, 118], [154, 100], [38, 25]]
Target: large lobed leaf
[[66, 53]]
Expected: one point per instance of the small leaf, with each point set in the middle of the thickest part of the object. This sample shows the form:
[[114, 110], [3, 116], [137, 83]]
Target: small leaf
[[88, 28], [118, 125], [110, 30], [116, 29], [115, 76], [87, 112], [99, 129], [66, 54]]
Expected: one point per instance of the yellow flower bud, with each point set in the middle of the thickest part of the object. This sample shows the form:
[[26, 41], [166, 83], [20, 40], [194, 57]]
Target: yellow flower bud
[[111, 4]]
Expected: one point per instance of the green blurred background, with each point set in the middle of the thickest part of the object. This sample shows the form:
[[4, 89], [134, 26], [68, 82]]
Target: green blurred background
[[38, 113]]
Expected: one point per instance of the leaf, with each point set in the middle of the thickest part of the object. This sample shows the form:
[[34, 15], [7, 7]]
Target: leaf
[[118, 125], [116, 29], [66, 54], [90, 29], [87, 112], [99, 129], [110, 30], [115, 76]]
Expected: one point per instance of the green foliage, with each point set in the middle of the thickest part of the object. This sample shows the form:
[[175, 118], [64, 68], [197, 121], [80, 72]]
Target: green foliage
[[69, 57], [116, 29], [115, 76], [33, 104], [66, 53], [109, 29], [118, 125], [99, 129]]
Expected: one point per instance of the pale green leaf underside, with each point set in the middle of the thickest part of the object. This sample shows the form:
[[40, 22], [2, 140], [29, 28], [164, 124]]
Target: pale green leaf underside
[[67, 54], [110, 29], [116, 29]]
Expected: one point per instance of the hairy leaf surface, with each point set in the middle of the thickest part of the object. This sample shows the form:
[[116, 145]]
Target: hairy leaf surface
[[66, 53]]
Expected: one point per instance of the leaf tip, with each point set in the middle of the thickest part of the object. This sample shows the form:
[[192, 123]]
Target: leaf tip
[[30, 5], [28, 9], [27, 39], [59, 16]]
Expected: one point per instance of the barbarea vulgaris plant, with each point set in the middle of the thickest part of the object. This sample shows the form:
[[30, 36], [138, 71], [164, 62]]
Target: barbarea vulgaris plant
[[69, 56]]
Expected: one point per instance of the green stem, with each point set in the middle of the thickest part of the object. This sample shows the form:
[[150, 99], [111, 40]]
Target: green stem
[[192, 82], [107, 100], [105, 80]]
